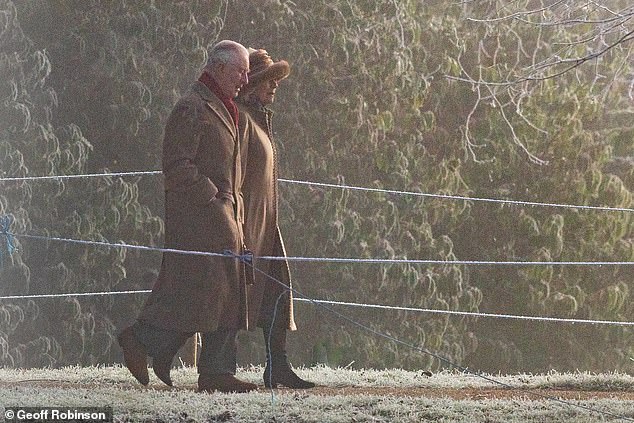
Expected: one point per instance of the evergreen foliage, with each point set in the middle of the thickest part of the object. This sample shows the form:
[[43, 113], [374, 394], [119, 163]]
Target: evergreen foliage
[[372, 100]]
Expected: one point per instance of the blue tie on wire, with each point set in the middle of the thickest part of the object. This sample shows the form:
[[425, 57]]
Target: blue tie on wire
[[5, 224]]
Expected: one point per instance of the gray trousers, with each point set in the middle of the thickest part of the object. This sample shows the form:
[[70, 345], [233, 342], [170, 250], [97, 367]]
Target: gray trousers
[[218, 354]]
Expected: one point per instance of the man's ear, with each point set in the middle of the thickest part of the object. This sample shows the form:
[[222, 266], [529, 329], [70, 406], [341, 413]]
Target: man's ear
[[218, 67], [212, 69]]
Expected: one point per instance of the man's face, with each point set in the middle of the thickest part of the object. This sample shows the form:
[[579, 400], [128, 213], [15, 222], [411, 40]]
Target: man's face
[[265, 91], [232, 75]]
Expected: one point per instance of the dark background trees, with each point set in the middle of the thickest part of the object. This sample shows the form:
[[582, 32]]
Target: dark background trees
[[391, 94]]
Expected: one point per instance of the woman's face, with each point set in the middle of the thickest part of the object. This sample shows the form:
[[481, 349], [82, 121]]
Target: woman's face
[[265, 91]]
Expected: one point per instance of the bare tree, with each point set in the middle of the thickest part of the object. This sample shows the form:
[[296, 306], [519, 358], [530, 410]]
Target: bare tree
[[588, 40]]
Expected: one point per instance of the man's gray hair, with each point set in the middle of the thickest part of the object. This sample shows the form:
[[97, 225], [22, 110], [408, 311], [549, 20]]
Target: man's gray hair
[[223, 52]]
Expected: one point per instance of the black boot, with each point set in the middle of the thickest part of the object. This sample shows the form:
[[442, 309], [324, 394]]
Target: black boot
[[278, 370]]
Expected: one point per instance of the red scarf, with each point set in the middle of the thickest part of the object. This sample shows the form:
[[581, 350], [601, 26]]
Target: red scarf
[[213, 86]]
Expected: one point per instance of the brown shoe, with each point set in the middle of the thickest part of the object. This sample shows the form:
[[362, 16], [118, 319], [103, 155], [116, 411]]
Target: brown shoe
[[162, 367], [134, 355], [223, 383]]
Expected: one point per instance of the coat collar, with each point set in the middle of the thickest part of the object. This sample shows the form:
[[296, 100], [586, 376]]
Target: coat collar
[[215, 104], [254, 105], [259, 112]]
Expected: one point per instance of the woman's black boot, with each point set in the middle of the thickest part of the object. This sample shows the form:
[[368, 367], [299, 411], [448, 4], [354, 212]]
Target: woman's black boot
[[278, 371]]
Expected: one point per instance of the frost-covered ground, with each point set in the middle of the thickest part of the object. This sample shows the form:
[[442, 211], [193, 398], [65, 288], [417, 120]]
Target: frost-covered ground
[[343, 395]]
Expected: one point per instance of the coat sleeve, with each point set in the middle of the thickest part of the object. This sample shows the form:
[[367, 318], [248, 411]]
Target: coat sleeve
[[180, 148]]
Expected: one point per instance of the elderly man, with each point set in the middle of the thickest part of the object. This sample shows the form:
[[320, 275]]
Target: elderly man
[[203, 169]]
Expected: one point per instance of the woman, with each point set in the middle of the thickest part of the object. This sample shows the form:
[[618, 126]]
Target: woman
[[270, 304]]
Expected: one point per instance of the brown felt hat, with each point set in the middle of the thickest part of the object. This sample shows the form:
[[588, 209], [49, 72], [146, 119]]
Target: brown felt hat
[[263, 68]]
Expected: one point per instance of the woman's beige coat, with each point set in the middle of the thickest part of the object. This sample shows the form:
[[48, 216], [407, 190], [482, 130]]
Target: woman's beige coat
[[261, 229]]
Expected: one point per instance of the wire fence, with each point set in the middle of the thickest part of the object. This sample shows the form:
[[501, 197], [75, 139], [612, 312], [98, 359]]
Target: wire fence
[[5, 232]]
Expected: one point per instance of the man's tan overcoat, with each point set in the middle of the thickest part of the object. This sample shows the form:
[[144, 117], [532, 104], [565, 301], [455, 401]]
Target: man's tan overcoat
[[203, 170]]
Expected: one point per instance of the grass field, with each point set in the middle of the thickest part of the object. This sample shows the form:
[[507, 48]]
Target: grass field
[[343, 395]]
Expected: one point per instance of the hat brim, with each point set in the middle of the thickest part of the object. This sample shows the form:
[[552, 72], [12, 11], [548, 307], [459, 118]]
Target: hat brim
[[278, 70]]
